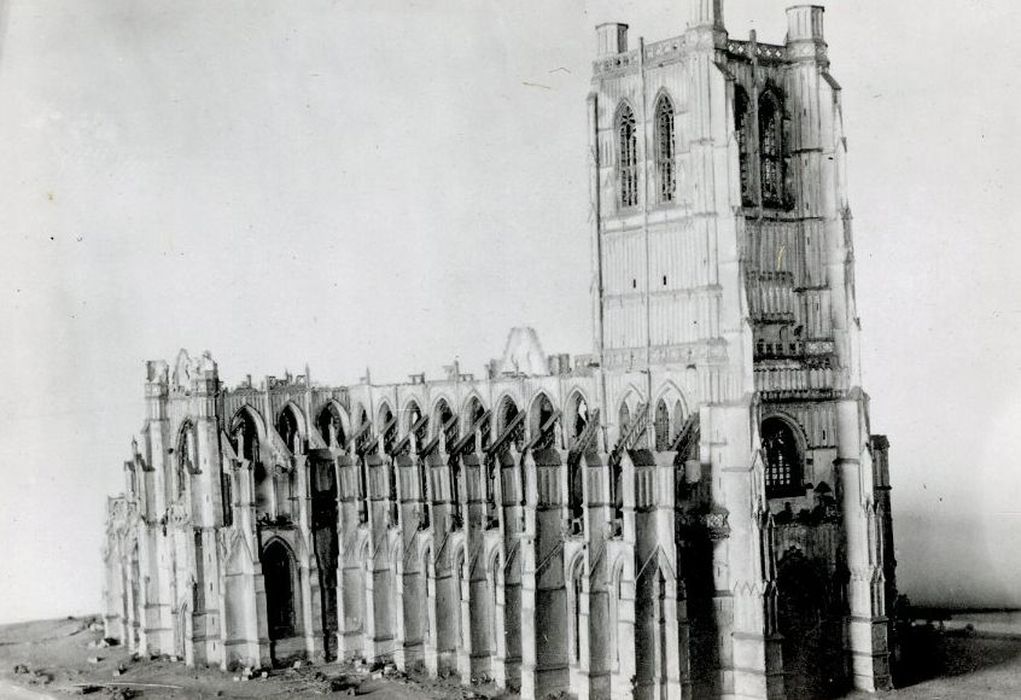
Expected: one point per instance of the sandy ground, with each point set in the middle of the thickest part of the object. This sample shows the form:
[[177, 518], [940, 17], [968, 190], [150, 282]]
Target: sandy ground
[[56, 658]]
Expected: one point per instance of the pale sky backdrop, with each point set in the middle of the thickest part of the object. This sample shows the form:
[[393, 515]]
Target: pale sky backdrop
[[398, 183]]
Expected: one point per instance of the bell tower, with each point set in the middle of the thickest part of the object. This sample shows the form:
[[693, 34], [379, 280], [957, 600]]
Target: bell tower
[[723, 262]]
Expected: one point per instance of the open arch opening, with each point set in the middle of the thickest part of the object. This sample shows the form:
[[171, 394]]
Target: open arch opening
[[475, 411], [288, 426], [447, 428], [278, 570], [388, 427], [331, 427], [506, 414], [616, 469], [363, 467], [419, 430], [245, 435], [578, 416], [541, 413]]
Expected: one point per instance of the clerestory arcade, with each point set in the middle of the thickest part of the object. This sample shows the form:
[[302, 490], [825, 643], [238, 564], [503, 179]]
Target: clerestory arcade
[[698, 508]]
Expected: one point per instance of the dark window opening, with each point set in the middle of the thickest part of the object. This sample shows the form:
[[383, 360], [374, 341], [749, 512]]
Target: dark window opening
[[227, 498], [741, 131], [771, 150], [662, 425], [276, 569], [665, 166], [287, 426], [627, 158], [363, 478], [330, 427], [783, 459]]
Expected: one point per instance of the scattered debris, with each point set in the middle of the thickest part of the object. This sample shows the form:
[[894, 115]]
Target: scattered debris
[[20, 668], [344, 683]]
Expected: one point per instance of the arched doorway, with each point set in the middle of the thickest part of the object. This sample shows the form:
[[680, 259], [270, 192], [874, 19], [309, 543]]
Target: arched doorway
[[277, 570], [810, 619]]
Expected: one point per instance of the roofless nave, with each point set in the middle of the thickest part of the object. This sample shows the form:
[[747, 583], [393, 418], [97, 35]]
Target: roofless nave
[[697, 509]]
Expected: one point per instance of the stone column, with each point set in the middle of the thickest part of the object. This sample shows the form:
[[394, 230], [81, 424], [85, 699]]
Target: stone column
[[867, 625], [379, 603], [351, 608], [412, 593], [207, 516], [474, 660], [740, 604], [510, 495], [594, 674], [159, 618], [544, 662], [445, 631]]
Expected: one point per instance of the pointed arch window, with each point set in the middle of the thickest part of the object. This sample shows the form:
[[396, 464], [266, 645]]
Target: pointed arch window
[[187, 457], [783, 459], [662, 424], [665, 149], [741, 132], [771, 149], [627, 158]]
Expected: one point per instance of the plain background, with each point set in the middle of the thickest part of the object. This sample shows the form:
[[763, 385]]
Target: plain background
[[398, 183]]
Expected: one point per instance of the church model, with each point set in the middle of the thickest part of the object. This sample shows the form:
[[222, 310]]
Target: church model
[[698, 508]]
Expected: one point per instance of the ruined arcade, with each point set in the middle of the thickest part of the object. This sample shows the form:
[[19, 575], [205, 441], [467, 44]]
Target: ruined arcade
[[697, 508]]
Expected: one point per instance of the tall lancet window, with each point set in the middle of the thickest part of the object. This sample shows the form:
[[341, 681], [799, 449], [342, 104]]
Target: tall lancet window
[[665, 149], [627, 157], [771, 149], [741, 131]]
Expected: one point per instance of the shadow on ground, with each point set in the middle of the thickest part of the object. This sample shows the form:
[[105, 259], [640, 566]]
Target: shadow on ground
[[936, 646]]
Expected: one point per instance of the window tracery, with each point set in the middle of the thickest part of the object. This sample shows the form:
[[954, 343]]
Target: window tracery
[[627, 158], [783, 458], [771, 149], [665, 149]]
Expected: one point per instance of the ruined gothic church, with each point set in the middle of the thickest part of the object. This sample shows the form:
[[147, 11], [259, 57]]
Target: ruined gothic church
[[696, 509]]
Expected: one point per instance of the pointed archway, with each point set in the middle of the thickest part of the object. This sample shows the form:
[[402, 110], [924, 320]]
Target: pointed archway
[[278, 572]]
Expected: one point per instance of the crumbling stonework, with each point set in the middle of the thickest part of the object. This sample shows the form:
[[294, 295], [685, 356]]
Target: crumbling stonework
[[697, 509]]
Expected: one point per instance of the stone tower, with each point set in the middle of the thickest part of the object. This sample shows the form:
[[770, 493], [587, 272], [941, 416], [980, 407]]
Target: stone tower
[[723, 260]]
